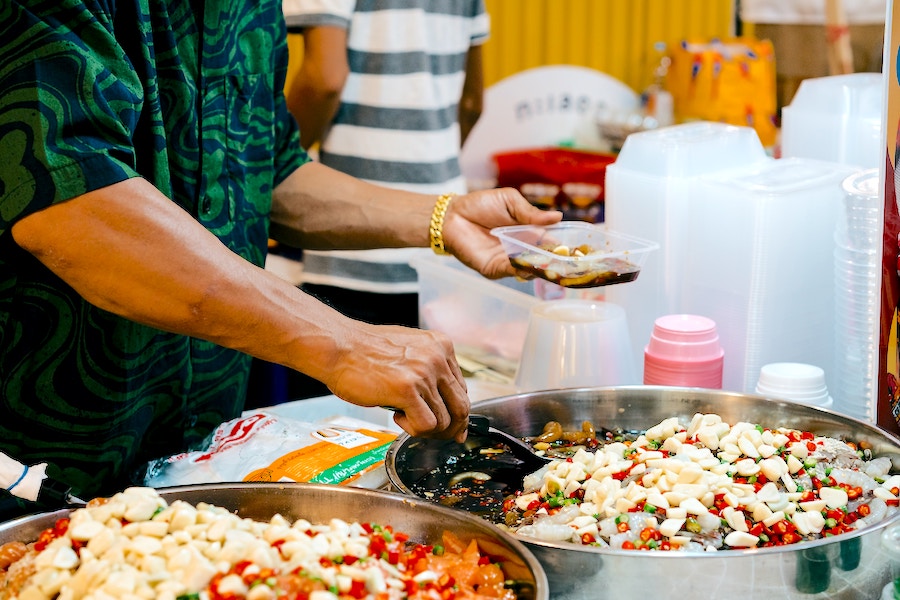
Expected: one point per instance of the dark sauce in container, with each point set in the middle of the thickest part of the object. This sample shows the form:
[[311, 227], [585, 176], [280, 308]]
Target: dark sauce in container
[[595, 273]]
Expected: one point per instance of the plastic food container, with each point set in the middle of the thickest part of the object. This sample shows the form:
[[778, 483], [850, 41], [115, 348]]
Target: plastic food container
[[486, 320], [575, 254]]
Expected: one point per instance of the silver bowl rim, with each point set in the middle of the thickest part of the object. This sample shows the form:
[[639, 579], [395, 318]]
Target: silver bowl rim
[[408, 502], [395, 447]]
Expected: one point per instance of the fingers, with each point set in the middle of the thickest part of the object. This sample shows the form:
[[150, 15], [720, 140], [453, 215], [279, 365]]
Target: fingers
[[443, 409], [413, 371]]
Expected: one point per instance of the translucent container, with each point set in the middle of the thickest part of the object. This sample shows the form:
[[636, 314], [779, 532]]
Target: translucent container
[[486, 320], [761, 264], [575, 254], [649, 192], [836, 118]]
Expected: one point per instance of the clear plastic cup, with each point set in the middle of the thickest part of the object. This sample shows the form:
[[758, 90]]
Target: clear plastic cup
[[684, 350], [576, 343]]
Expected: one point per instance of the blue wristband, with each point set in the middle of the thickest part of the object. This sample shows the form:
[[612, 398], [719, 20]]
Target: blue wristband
[[19, 480]]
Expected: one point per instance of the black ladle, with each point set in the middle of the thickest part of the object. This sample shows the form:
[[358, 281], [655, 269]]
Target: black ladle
[[481, 425]]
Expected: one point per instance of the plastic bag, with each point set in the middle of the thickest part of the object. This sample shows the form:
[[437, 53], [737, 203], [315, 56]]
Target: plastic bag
[[262, 446]]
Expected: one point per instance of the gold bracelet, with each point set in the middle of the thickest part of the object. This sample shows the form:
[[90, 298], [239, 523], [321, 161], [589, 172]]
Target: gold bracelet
[[436, 228]]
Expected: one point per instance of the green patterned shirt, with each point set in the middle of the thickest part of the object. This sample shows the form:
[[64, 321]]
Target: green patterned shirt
[[188, 95]]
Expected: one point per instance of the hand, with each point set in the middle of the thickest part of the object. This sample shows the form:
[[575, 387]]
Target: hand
[[470, 218], [411, 370]]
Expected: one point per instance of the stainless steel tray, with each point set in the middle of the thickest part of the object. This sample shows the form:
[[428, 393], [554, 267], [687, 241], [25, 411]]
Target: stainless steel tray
[[424, 521], [849, 566]]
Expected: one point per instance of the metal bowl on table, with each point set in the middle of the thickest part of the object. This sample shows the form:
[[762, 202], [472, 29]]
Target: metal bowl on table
[[423, 521], [851, 565]]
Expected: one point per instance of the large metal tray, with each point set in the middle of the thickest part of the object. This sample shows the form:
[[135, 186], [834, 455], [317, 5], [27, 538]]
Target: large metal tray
[[849, 566], [424, 521]]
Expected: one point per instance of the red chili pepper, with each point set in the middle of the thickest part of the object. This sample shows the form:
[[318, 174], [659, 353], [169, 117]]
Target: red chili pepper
[[864, 510], [783, 527], [61, 526], [627, 545], [44, 539], [790, 538], [358, 589], [622, 527]]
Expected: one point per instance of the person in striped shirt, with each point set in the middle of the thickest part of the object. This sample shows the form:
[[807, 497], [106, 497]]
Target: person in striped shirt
[[388, 91]]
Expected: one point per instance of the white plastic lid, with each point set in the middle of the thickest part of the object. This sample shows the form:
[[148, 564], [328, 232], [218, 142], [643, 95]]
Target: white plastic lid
[[793, 381]]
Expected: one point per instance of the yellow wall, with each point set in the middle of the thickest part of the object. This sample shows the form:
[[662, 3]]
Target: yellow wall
[[616, 37]]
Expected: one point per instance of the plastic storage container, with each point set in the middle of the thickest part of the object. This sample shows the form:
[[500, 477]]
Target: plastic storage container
[[487, 320], [649, 192], [836, 118], [594, 256], [761, 264]]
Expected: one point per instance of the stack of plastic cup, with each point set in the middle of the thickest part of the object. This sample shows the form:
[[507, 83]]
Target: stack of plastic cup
[[576, 343], [857, 289], [684, 350], [796, 382]]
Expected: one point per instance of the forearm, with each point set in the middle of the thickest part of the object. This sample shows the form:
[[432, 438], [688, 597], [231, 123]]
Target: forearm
[[320, 208], [138, 255]]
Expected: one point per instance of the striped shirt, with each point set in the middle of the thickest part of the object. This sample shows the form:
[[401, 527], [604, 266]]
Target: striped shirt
[[397, 123]]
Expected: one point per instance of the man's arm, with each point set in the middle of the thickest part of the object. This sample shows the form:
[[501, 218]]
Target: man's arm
[[128, 249], [472, 101], [323, 209], [315, 93]]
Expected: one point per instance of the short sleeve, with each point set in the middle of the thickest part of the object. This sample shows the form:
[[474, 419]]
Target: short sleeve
[[70, 106], [299, 14]]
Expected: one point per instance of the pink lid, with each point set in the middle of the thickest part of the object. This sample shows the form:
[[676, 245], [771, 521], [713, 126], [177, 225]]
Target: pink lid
[[689, 338]]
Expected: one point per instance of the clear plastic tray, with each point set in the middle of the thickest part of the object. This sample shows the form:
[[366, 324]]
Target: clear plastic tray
[[575, 254]]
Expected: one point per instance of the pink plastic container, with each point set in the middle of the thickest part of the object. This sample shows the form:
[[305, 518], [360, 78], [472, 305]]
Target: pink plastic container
[[684, 350]]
